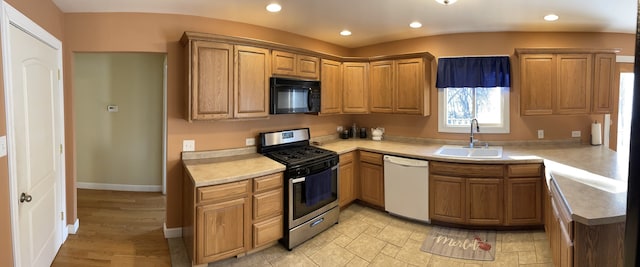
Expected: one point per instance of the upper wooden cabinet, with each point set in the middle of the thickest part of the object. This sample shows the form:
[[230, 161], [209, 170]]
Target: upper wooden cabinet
[[566, 81], [400, 86], [605, 65], [331, 83], [226, 80], [355, 96], [290, 64]]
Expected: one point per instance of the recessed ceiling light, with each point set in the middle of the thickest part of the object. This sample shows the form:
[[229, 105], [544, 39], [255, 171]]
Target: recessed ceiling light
[[415, 25], [446, 2], [345, 33], [274, 7], [551, 17]]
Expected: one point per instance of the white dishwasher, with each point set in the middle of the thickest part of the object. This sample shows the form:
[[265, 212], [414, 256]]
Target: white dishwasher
[[406, 187]]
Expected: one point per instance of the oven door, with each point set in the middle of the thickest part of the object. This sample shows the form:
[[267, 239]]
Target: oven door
[[303, 207]]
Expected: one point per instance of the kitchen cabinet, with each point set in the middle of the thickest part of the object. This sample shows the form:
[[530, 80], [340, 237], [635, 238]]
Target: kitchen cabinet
[[226, 80], [566, 81], [355, 87], [507, 195], [295, 65], [484, 201], [347, 185], [603, 80], [447, 199], [230, 219], [371, 178], [400, 86], [331, 83], [524, 194], [573, 83], [575, 244]]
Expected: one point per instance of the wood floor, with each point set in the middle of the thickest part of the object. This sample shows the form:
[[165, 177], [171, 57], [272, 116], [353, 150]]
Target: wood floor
[[117, 229]]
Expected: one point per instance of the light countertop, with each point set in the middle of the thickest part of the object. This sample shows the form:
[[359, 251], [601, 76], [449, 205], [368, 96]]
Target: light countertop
[[592, 179]]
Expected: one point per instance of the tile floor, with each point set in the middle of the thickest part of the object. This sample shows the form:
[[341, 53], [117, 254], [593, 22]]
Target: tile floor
[[368, 237]]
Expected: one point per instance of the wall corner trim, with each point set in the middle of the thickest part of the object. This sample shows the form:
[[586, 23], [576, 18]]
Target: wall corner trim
[[73, 228], [171, 232]]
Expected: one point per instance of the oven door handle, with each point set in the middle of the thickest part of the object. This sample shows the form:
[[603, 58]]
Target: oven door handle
[[297, 180]]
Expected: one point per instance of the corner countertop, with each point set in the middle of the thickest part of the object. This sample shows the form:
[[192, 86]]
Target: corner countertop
[[591, 179]]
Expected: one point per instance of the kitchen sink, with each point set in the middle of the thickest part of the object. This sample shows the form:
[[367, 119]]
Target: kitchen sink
[[482, 152]]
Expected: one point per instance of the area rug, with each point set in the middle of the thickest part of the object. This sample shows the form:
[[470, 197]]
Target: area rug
[[460, 243]]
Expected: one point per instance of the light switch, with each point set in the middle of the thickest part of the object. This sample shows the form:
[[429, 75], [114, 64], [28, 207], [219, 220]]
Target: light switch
[[3, 146]]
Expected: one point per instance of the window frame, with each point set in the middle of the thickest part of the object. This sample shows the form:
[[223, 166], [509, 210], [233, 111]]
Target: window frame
[[485, 128]]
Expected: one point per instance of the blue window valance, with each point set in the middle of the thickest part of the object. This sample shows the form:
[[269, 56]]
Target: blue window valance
[[473, 72]]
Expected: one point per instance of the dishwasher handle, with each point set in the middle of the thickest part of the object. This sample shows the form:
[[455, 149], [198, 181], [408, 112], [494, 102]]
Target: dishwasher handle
[[406, 162]]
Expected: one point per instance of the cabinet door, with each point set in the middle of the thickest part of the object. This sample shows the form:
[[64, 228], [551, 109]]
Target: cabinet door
[[222, 230], [372, 184], [573, 84], [604, 74], [355, 87], [211, 74], [410, 86], [484, 201], [252, 72], [537, 84], [524, 203], [308, 67], [382, 86], [283, 63], [331, 82], [347, 183], [447, 199]]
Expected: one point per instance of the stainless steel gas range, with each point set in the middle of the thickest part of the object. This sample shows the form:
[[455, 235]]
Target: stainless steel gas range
[[311, 183]]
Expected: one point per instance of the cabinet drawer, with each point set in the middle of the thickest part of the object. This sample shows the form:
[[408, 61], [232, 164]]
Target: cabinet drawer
[[268, 182], [373, 158], [268, 204], [346, 158], [524, 170], [267, 231], [223, 191], [466, 170]]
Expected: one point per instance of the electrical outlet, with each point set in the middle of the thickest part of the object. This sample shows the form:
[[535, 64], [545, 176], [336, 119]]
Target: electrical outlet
[[3, 146], [188, 145], [250, 141], [540, 134], [576, 133]]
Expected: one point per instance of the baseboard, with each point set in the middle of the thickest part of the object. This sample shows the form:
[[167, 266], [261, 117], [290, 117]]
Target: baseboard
[[73, 228], [120, 187], [172, 232]]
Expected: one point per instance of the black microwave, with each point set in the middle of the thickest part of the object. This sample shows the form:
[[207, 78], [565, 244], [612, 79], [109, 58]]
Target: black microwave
[[294, 96]]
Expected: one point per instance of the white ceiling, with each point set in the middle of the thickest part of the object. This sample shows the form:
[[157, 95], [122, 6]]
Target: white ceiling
[[376, 21]]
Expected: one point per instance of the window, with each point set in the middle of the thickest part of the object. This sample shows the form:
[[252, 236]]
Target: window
[[458, 106], [473, 87]]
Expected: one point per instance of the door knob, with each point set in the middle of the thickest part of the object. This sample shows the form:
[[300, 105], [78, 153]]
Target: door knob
[[24, 197]]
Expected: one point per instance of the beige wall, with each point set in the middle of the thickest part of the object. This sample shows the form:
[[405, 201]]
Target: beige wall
[[49, 17], [123, 147]]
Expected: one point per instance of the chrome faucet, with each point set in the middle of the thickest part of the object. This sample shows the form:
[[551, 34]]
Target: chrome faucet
[[471, 140]]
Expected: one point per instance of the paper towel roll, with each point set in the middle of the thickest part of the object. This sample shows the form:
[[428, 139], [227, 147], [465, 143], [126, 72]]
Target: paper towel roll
[[596, 134]]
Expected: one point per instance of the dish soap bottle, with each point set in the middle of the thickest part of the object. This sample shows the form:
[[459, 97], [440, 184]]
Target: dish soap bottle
[[354, 130]]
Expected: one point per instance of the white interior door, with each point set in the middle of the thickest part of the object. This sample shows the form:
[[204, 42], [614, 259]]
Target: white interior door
[[35, 127]]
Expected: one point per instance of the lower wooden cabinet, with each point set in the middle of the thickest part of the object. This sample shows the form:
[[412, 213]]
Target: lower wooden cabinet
[[447, 199], [222, 221], [485, 194], [484, 201], [371, 178], [221, 230], [347, 184]]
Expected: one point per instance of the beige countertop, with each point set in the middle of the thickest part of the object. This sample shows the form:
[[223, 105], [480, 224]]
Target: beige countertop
[[592, 179]]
